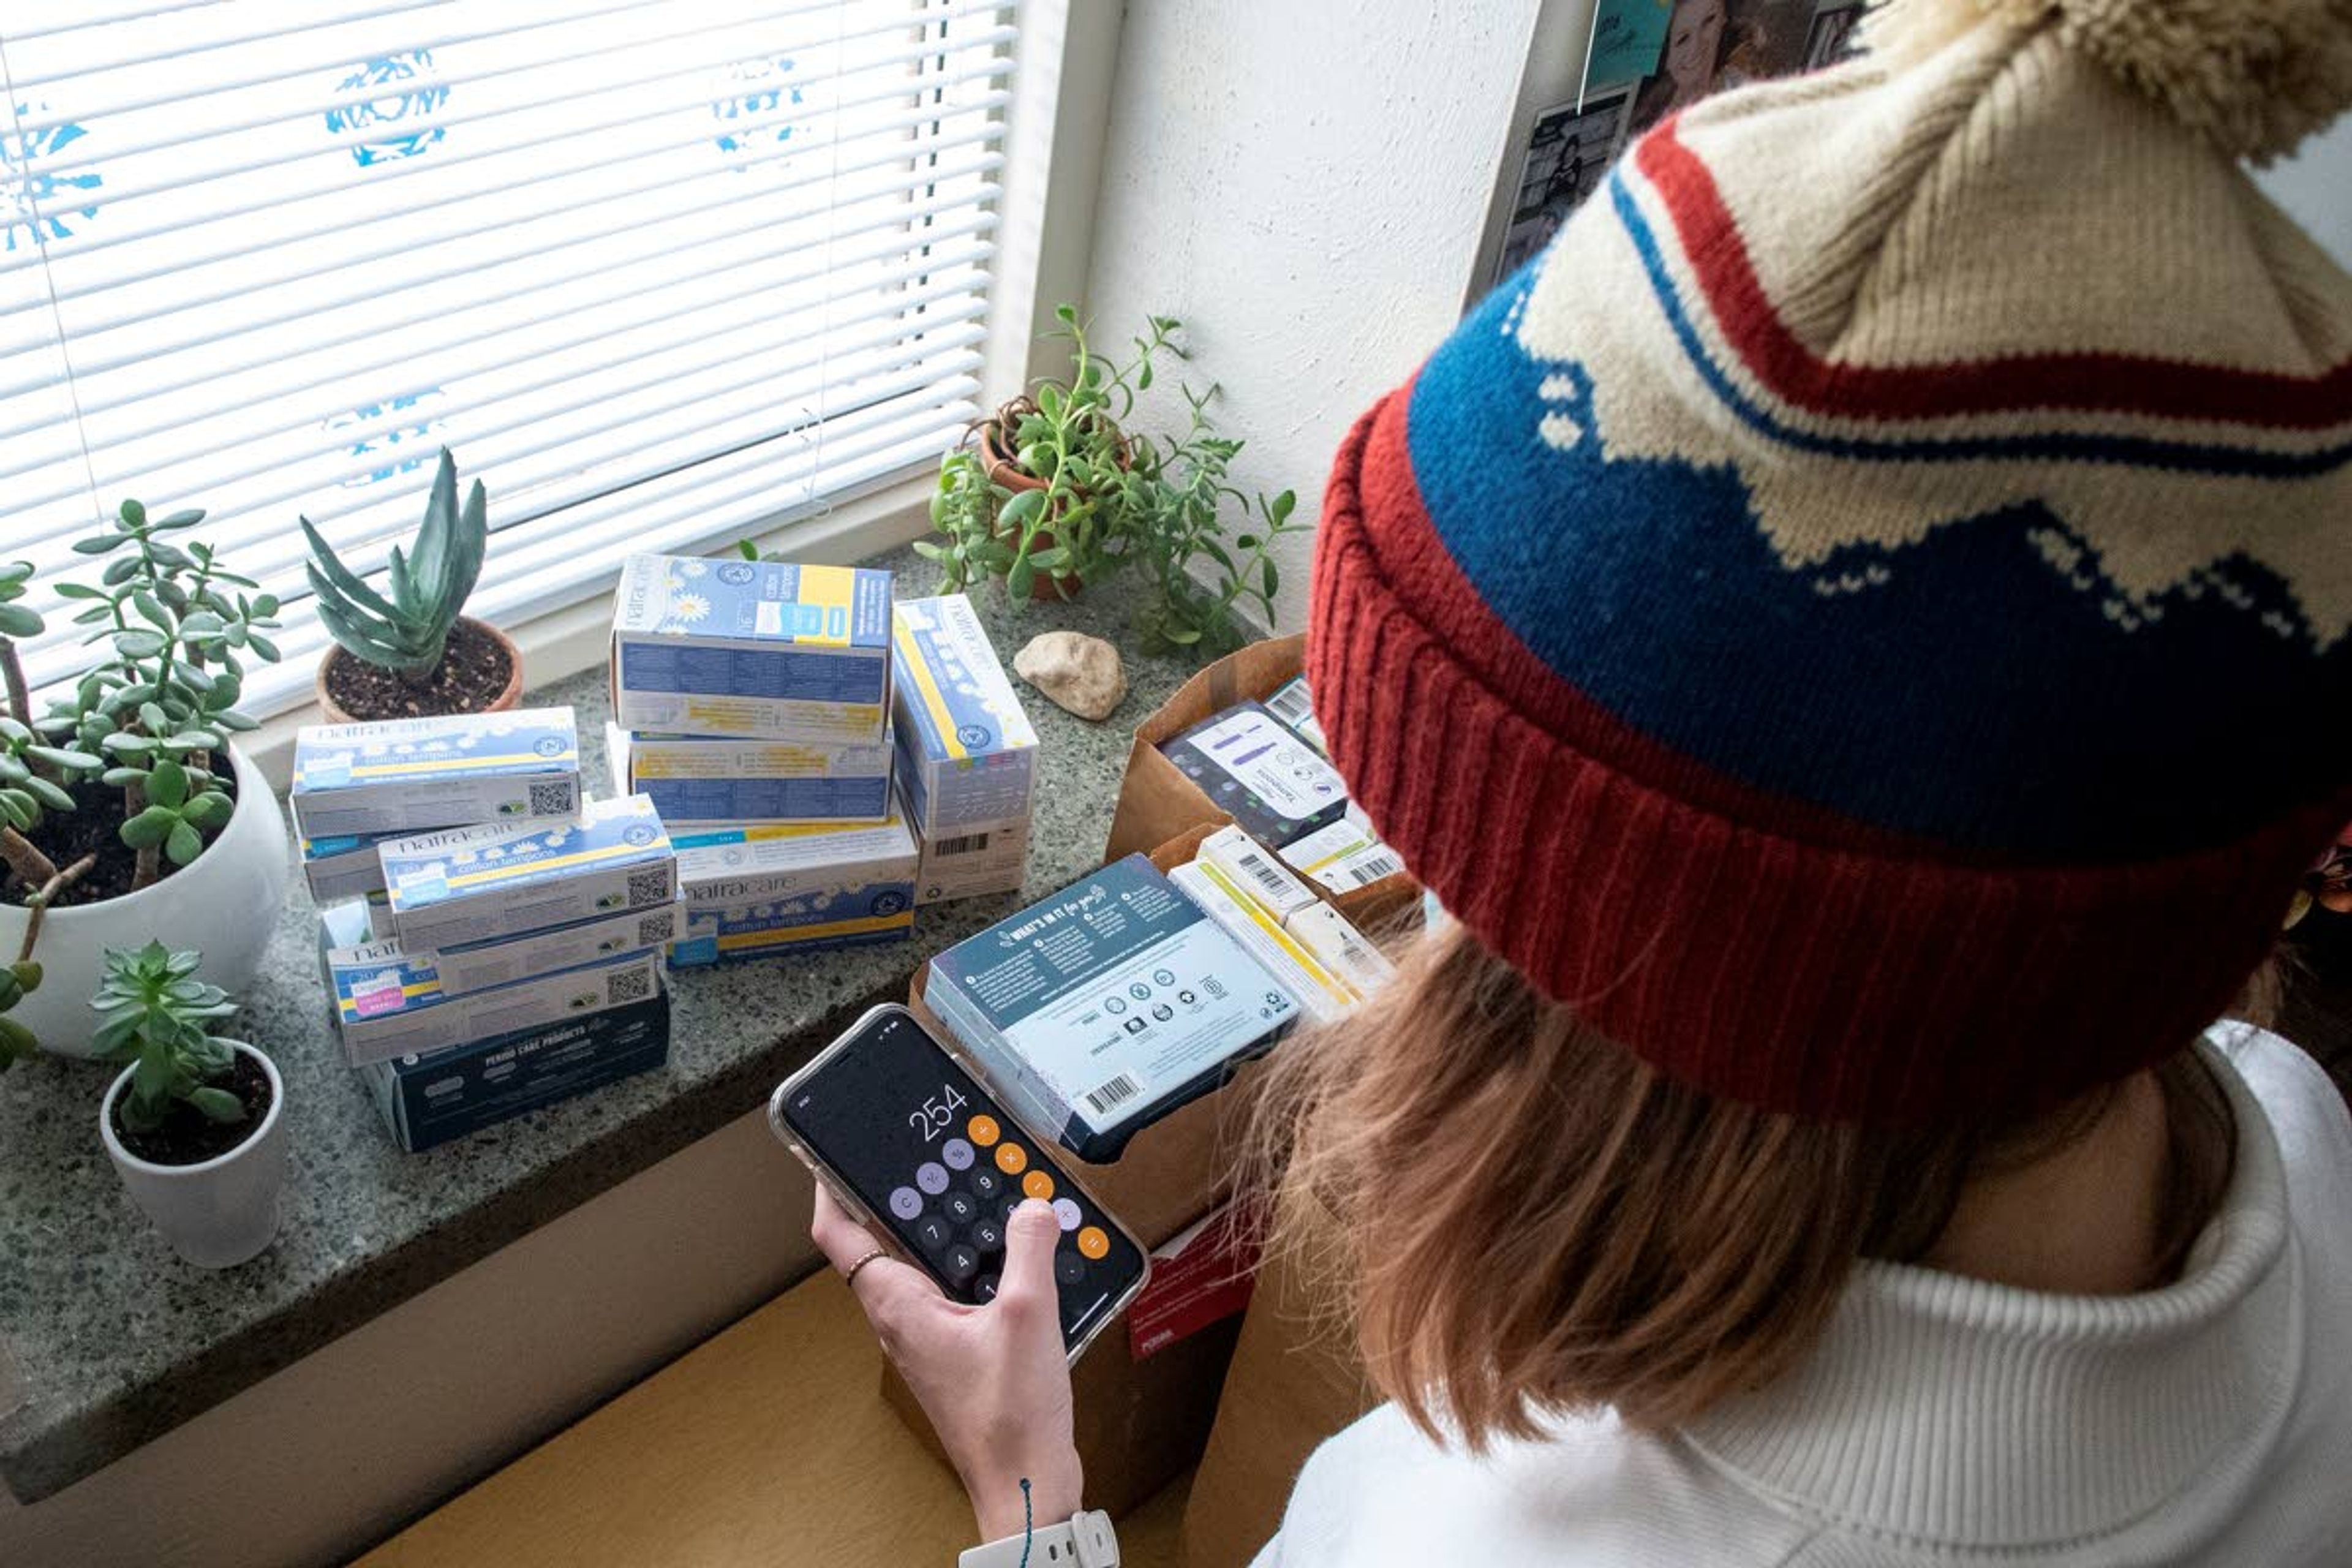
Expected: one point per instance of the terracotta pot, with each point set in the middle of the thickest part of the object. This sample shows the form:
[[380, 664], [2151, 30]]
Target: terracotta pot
[[511, 693], [1003, 470]]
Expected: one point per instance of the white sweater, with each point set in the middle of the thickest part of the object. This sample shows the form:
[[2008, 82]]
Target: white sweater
[[1950, 1421]]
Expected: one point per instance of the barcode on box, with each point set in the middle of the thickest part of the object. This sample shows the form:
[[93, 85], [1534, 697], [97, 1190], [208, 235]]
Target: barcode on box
[[1272, 880], [649, 887], [628, 985], [1293, 703], [1372, 868], [1114, 1093], [555, 798], [654, 929], [970, 843]]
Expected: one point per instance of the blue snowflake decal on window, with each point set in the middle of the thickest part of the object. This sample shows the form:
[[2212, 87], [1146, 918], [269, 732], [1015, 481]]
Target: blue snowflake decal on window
[[386, 129], [755, 111], [389, 440], [39, 200]]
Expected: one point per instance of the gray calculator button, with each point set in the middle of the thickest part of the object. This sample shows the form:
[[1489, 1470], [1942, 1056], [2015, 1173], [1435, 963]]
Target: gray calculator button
[[933, 1177], [960, 1262], [956, 1154], [906, 1203], [1068, 1267]]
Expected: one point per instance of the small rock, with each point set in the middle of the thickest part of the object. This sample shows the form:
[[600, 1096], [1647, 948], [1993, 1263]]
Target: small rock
[[1081, 673]]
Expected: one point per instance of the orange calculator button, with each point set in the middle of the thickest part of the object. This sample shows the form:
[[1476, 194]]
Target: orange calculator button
[[1039, 1186], [983, 1131], [1012, 1159], [1093, 1242]]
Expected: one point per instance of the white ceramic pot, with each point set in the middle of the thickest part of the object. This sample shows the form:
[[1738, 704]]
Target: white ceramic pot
[[225, 903], [219, 1212]]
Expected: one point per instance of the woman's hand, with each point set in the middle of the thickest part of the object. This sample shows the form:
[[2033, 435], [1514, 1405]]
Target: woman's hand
[[993, 1379]]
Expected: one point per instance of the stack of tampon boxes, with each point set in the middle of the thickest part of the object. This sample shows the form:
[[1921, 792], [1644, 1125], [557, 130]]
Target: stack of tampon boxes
[[795, 766], [491, 942], [825, 762]]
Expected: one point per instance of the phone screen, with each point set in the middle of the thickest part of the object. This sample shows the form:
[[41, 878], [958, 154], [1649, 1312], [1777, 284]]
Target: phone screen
[[931, 1155]]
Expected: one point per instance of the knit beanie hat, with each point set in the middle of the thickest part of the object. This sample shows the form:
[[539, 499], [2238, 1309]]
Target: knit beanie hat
[[1861, 619]]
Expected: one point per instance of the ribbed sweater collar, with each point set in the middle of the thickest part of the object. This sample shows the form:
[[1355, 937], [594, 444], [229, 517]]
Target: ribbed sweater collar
[[1949, 1411]]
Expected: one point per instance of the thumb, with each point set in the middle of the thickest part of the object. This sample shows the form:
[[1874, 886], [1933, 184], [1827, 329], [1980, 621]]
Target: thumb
[[1029, 1241]]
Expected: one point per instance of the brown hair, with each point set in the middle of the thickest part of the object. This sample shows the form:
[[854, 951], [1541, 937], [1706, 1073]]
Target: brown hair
[[1523, 1217]]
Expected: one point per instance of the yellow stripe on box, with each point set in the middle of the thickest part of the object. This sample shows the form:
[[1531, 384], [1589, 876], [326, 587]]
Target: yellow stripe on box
[[828, 588], [933, 703], [1360, 843], [579, 857], [1332, 986], [438, 764], [784, 936]]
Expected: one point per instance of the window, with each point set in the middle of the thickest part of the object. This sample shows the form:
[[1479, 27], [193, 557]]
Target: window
[[657, 272]]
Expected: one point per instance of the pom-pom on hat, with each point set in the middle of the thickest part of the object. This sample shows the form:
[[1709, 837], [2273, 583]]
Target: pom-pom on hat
[[1863, 616]]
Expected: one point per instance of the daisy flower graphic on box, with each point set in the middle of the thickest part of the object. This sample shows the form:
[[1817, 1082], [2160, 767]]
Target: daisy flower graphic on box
[[689, 608]]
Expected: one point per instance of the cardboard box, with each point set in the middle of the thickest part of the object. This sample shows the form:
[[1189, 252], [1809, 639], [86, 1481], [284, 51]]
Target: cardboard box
[[1158, 804], [403, 776], [389, 1002], [700, 782], [752, 647], [344, 866], [427, 1101], [735, 868], [474, 884], [1295, 1381], [970, 754], [1104, 1006]]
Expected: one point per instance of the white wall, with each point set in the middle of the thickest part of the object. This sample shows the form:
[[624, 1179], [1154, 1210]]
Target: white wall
[[2316, 186], [1306, 184]]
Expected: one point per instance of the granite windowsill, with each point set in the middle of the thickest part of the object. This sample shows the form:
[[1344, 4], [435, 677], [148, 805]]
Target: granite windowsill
[[107, 1340]]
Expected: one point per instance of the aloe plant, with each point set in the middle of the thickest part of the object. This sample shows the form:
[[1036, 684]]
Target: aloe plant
[[407, 632]]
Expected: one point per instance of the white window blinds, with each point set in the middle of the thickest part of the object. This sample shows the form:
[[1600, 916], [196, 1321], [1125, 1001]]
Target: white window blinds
[[656, 271]]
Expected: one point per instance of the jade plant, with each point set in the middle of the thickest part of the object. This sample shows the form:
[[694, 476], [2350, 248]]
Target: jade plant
[[153, 1011], [407, 632], [1057, 491], [129, 752], [16, 1042]]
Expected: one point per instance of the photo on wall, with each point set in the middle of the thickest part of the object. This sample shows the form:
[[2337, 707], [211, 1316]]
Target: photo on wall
[[1569, 151], [1717, 43]]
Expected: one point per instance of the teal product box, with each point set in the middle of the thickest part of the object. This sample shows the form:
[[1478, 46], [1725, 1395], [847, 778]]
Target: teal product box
[[344, 865], [968, 753], [429, 1100], [404, 776], [734, 867], [1257, 770], [710, 782], [389, 1002], [477, 884], [1103, 1009], [762, 648], [861, 916]]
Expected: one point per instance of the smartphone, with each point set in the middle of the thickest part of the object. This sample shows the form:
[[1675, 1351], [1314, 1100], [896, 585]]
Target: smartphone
[[914, 1147]]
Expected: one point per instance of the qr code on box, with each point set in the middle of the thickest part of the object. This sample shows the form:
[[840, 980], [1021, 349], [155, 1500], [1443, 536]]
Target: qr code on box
[[654, 929], [628, 985], [649, 887], [558, 797]]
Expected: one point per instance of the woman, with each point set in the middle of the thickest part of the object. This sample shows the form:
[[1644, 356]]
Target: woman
[[1838, 634]]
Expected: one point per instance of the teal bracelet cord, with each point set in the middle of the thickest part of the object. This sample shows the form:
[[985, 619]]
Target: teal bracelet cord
[[1028, 1524]]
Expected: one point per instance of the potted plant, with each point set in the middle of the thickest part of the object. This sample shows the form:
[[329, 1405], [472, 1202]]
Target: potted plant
[[1055, 491], [414, 654], [195, 1124], [117, 820]]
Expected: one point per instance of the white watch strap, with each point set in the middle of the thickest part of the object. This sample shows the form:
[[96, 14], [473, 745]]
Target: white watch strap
[[1084, 1540]]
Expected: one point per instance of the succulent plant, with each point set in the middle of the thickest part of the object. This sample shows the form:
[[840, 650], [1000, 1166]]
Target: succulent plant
[[152, 1010], [406, 632]]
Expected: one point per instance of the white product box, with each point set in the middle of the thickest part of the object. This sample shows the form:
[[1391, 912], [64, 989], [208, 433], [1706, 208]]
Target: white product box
[[1257, 872], [969, 752], [478, 965], [392, 1003], [731, 868], [1325, 997], [1294, 705], [404, 776], [704, 781], [1344, 855], [474, 884], [343, 866], [1104, 1007], [1340, 947], [813, 921], [969, 865], [752, 647]]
